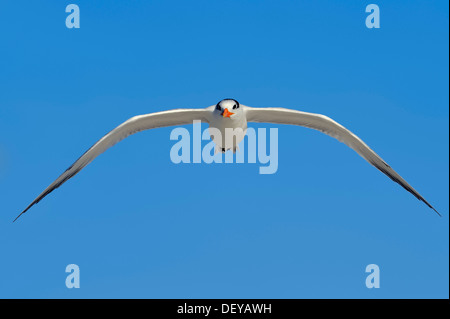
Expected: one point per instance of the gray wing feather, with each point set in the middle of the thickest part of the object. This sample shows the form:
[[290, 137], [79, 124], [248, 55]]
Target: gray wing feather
[[131, 126], [330, 127]]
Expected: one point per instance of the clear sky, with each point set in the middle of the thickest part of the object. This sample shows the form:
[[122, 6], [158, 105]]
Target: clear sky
[[140, 226]]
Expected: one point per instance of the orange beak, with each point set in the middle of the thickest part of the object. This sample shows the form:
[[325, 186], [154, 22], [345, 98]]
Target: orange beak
[[226, 113]]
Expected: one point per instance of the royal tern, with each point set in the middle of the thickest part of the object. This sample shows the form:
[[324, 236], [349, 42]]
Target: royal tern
[[228, 113]]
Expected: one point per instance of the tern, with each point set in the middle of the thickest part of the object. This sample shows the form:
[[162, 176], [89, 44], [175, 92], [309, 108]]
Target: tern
[[228, 113]]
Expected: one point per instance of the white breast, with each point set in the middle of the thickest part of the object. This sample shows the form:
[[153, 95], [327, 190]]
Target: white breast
[[232, 131]]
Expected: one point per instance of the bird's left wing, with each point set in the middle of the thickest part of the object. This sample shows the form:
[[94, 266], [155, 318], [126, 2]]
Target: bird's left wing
[[131, 126], [328, 126]]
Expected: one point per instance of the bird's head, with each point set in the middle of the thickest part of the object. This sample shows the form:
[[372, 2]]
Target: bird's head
[[228, 108]]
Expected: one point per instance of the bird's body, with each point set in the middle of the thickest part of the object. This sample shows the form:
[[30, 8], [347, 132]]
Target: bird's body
[[228, 124], [232, 127]]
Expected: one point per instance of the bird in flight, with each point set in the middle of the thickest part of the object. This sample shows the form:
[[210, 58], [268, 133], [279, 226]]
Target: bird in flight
[[229, 114]]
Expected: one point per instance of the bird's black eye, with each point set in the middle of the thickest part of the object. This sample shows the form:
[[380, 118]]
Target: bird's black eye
[[218, 107], [235, 107]]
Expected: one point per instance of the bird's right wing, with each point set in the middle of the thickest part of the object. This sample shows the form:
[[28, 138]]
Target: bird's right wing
[[133, 125], [330, 127]]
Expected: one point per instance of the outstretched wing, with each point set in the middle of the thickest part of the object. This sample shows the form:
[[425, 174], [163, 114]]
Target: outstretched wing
[[133, 125], [328, 126]]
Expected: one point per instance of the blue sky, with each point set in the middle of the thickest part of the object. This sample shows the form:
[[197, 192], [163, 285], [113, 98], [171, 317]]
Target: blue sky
[[140, 226]]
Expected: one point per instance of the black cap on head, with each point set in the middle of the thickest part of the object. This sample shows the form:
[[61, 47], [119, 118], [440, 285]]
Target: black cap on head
[[237, 103]]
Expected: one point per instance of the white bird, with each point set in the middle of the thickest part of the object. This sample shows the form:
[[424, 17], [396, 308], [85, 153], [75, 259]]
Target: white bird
[[228, 113]]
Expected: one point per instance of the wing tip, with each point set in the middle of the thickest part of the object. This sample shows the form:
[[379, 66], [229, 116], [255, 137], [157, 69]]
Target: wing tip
[[25, 210], [18, 217], [435, 211], [429, 205]]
